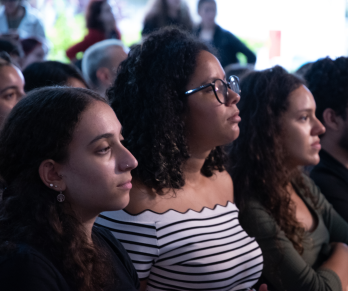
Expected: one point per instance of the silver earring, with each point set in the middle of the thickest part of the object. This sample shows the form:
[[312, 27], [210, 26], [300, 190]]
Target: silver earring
[[60, 196], [51, 185]]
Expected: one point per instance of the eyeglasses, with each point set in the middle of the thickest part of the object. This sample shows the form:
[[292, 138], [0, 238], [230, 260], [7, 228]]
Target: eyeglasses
[[220, 89]]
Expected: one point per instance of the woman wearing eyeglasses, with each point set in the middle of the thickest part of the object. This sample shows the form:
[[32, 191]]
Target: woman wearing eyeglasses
[[303, 239], [181, 227]]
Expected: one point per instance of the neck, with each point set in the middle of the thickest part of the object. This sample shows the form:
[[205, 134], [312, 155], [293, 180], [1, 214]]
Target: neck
[[193, 166], [16, 13], [208, 26], [173, 13], [334, 149]]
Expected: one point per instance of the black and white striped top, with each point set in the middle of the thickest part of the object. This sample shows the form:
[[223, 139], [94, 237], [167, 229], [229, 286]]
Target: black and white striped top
[[206, 250]]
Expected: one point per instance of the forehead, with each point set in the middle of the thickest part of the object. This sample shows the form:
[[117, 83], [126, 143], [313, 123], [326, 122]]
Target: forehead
[[10, 76], [301, 99], [97, 119], [208, 68]]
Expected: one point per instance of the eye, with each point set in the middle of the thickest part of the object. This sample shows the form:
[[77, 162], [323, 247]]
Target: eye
[[304, 117], [9, 96], [104, 151]]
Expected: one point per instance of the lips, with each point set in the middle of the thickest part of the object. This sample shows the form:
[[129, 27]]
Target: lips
[[125, 185], [316, 145], [235, 118]]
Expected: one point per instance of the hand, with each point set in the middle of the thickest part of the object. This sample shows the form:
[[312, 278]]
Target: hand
[[263, 287]]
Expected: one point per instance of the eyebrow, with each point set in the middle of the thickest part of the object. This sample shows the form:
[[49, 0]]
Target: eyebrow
[[9, 87], [104, 135], [210, 80]]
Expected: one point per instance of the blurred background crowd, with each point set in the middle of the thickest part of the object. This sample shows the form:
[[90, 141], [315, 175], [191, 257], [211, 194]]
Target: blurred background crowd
[[288, 33]]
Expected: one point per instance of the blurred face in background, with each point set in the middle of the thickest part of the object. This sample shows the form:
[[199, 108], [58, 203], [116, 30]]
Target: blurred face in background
[[173, 4], [36, 55], [207, 11], [107, 17], [11, 6], [11, 90]]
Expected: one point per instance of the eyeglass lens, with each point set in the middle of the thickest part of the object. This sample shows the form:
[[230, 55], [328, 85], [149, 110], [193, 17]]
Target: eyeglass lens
[[221, 89]]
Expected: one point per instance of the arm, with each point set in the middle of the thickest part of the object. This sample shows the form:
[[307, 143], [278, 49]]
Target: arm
[[336, 225], [283, 266], [240, 47], [90, 39]]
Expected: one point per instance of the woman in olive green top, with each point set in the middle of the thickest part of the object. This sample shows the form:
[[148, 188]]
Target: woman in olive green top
[[302, 238]]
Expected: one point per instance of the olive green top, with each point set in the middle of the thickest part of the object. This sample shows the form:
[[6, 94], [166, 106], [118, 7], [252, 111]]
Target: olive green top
[[284, 267]]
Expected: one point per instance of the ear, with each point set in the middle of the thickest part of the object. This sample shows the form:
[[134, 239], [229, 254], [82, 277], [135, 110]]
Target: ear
[[104, 76], [331, 120], [50, 177]]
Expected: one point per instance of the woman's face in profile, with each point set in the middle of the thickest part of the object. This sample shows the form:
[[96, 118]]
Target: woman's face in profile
[[97, 173], [301, 129], [11, 90], [210, 123]]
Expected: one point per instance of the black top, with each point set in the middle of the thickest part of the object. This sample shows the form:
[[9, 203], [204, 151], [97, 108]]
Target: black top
[[228, 45], [29, 269], [332, 178]]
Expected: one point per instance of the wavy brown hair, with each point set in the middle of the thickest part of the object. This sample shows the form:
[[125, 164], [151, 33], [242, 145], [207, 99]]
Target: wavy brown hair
[[149, 99], [257, 156], [41, 127]]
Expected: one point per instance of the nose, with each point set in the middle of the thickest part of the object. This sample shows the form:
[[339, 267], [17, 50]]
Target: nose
[[127, 162], [318, 127], [233, 97]]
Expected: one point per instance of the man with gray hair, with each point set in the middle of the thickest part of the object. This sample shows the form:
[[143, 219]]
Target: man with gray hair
[[100, 63]]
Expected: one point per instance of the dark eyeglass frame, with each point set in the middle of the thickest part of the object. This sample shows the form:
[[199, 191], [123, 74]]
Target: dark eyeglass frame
[[231, 79]]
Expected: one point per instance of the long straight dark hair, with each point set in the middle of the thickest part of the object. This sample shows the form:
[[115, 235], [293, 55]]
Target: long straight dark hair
[[41, 127]]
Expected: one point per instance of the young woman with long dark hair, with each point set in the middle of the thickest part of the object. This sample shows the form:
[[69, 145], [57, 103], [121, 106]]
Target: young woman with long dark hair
[[181, 227], [101, 25], [303, 239], [62, 162]]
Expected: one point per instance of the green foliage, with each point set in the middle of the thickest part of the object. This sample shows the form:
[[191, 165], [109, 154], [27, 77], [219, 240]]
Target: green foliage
[[65, 33]]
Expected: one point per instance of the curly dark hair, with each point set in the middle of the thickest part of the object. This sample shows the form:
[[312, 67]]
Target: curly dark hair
[[49, 73], [327, 80], [257, 156], [148, 98], [41, 127]]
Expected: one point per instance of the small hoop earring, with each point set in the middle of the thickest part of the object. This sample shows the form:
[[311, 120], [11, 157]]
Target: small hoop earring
[[60, 196]]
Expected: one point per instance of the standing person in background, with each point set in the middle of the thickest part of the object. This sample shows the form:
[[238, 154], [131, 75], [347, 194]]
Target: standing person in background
[[165, 13], [11, 86], [224, 41], [303, 239], [20, 19], [100, 63], [101, 24], [328, 81]]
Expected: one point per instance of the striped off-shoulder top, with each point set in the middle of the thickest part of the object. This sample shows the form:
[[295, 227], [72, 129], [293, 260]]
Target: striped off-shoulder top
[[206, 250]]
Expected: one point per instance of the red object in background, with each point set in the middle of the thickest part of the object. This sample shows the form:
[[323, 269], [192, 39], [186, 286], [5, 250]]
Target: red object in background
[[275, 38]]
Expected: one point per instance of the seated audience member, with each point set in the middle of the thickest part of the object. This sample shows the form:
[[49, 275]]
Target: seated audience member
[[100, 63], [224, 41], [62, 162], [303, 239], [181, 227], [10, 46], [52, 73], [19, 18], [11, 86], [101, 25], [328, 81], [167, 13], [34, 51]]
